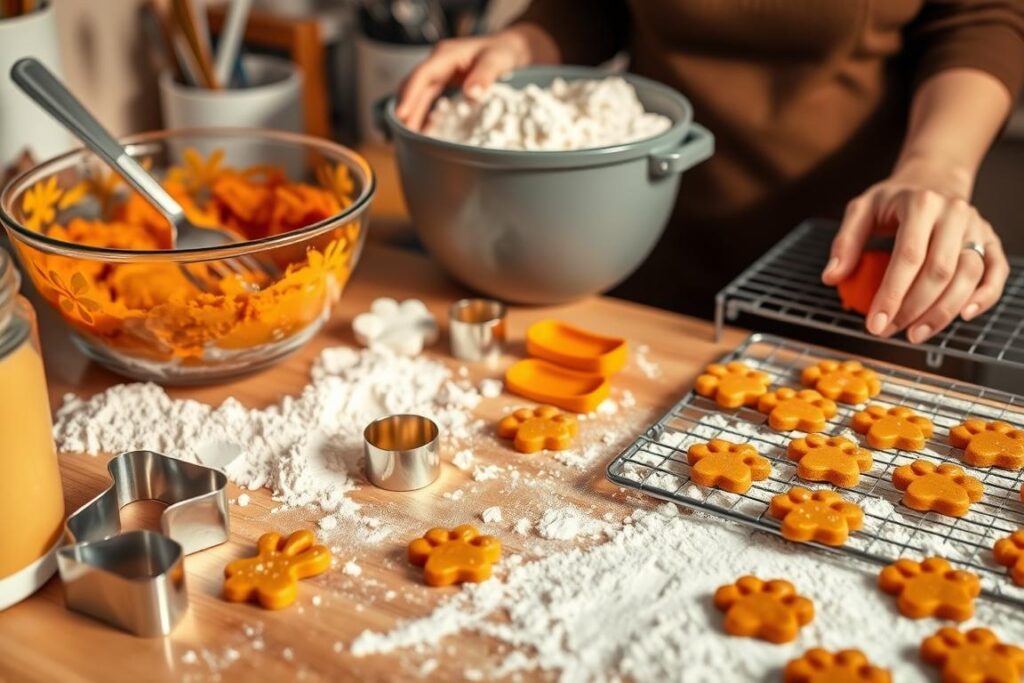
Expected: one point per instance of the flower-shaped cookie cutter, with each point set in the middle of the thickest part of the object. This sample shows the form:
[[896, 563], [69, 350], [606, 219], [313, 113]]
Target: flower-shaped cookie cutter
[[136, 580], [404, 328]]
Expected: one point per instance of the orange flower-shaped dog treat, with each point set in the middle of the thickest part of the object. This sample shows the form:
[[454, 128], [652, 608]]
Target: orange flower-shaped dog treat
[[847, 381], [538, 428], [834, 459], [975, 656], [818, 665], [896, 427], [988, 444], [769, 610], [729, 466], [272, 577], [930, 589], [732, 385], [822, 516], [1009, 552], [789, 409], [945, 489], [456, 555]]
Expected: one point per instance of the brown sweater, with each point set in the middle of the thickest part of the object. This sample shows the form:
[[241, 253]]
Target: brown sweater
[[807, 100]]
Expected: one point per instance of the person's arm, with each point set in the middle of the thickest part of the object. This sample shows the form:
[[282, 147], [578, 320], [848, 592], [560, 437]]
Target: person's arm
[[549, 32], [970, 74]]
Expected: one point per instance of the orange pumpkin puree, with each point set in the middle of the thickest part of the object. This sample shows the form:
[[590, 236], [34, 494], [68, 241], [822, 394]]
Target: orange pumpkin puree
[[146, 307]]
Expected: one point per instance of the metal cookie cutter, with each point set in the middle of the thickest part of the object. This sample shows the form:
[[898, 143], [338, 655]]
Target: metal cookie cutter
[[402, 452], [136, 580], [476, 329]]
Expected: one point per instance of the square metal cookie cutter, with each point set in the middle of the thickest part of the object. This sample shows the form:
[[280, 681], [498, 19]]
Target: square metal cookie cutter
[[136, 580]]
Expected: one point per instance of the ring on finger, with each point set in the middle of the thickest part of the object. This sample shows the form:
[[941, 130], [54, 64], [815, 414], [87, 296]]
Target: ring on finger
[[977, 247]]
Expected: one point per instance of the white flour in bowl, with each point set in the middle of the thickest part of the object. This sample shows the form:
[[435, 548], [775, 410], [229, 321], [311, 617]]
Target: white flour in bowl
[[568, 115]]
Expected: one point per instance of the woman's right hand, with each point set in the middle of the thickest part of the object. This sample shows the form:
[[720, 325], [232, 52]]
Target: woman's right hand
[[475, 63]]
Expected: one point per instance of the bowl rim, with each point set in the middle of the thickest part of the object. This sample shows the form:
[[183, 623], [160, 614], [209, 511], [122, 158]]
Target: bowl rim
[[667, 137], [358, 206]]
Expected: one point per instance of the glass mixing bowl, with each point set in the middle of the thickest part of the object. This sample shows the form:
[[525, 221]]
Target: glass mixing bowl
[[99, 254]]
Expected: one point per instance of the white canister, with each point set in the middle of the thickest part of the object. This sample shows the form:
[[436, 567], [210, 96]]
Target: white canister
[[23, 125], [381, 68]]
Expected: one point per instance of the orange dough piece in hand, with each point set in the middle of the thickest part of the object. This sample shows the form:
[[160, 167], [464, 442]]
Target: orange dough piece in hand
[[989, 444], [932, 588], [540, 428], [945, 489], [456, 555], [818, 665], [847, 381], [732, 385], [974, 656], [769, 610], [1009, 552], [789, 409], [821, 516], [727, 465], [858, 290], [896, 427], [272, 577], [834, 459]]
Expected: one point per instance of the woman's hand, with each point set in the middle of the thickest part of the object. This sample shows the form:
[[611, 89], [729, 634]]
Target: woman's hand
[[475, 63], [932, 277]]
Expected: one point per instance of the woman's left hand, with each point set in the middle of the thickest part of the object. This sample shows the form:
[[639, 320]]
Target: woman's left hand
[[933, 276]]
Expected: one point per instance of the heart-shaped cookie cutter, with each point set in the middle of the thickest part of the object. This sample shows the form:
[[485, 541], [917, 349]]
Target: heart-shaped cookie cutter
[[136, 580]]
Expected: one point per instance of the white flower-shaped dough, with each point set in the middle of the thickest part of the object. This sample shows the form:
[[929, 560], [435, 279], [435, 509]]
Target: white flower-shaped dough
[[404, 328]]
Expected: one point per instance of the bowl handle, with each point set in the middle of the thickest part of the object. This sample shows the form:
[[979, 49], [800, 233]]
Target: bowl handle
[[698, 146], [380, 116]]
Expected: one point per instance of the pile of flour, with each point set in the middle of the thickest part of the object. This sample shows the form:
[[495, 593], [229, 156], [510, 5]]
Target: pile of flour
[[577, 114], [303, 448]]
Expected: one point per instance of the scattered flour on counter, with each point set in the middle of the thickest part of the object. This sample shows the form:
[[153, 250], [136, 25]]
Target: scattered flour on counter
[[576, 114], [352, 568], [566, 523], [463, 459], [649, 368], [638, 607], [491, 515], [304, 448], [243, 500], [487, 472], [491, 388], [523, 526]]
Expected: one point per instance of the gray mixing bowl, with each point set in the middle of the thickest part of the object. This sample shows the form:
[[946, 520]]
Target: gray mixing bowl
[[548, 227]]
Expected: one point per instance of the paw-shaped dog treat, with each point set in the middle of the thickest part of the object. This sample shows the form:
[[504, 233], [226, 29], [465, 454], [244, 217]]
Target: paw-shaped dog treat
[[456, 555], [1009, 552], [834, 459], [272, 577], [896, 427], [789, 409], [988, 444], [535, 429], [931, 588], [769, 610], [945, 489], [405, 327], [821, 516], [732, 385], [847, 381], [729, 466], [975, 656], [818, 665]]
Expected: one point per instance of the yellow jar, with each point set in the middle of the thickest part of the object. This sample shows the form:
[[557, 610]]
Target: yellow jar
[[31, 499]]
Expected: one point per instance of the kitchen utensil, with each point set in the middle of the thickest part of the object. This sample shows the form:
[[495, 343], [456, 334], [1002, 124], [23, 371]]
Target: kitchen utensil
[[197, 36], [576, 348], [41, 85], [477, 329], [656, 463], [136, 580], [547, 227], [543, 381], [402, 452], [231, 39], [148, 337]]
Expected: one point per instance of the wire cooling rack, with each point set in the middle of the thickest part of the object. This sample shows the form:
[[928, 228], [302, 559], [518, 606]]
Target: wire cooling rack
[[785, 284], [656, 464]]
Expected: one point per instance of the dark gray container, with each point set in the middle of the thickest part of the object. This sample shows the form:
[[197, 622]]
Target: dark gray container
[[548, 227]]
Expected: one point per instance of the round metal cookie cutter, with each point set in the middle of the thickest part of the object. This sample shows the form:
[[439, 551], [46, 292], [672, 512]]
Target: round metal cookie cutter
[[402, 452], [476, 329]]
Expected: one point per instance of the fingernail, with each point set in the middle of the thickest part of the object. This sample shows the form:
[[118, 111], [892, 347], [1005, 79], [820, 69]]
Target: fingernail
[[474, 92], [830, 266], [878, 322], [970, 311], [920, 333]]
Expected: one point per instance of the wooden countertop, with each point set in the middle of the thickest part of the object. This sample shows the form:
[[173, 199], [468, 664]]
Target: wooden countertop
[[40, 640]]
